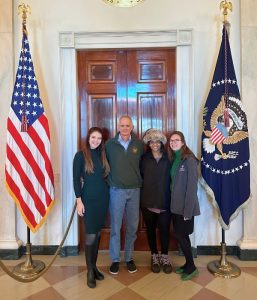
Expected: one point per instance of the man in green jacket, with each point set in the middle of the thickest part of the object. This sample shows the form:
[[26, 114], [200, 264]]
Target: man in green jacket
[[124, 152]]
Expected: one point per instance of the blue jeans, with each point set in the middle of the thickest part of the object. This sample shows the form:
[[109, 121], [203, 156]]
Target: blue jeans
[[123, 201]]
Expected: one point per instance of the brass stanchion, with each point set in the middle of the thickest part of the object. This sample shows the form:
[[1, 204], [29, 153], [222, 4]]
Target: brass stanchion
[[33, 275], [29, 268], [222, 267]]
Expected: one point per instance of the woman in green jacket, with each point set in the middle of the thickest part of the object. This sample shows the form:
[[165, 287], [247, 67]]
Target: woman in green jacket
[[184, 201]]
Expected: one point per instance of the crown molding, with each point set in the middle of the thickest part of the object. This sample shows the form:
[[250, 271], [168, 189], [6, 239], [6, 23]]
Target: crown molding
[[125, 39]]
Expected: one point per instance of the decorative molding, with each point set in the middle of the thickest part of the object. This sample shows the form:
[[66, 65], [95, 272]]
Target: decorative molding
[[66, 40], [185, 37], [247, 244], [68, 139], [125, 39]]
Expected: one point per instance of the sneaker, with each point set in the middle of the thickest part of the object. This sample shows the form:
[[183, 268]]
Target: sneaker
[[166, 265], [155, 263], [114, 268], [131, 266], [186, 276]]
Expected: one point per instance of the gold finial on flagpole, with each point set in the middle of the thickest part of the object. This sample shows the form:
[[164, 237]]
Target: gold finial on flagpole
[[226, 6], [24, 10]]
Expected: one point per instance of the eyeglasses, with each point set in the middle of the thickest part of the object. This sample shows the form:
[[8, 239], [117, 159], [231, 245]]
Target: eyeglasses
[[175, 141]]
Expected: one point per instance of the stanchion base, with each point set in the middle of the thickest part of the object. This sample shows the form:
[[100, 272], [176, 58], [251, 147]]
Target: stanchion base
[[29, 271], [228, 270]]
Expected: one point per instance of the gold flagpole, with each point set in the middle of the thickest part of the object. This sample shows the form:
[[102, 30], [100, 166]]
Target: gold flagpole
[[222, 267], [30, 268]]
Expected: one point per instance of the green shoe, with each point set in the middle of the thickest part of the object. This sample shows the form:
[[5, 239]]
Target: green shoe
[[185, 276], [179, 270]]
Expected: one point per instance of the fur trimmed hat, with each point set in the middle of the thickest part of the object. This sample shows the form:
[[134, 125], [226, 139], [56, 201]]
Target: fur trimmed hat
[[154, 135]]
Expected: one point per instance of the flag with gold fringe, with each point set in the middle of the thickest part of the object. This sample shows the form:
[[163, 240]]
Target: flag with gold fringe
[[225, 162], [28, 169]]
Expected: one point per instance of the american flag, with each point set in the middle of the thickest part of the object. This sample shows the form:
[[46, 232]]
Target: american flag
[[28, 170]]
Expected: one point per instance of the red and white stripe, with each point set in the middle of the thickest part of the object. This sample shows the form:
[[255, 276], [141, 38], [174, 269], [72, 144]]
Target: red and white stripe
[[28, 169], [216, 136]]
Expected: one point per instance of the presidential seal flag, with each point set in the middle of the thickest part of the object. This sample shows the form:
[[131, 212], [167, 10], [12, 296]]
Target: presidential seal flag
[[28, 170], [225, 162]]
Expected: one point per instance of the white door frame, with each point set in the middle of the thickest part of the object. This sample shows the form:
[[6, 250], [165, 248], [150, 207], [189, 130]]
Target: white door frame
[[69, 43]]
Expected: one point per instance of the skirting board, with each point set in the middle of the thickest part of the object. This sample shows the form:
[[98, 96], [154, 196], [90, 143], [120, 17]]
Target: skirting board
[[13, 254], [242, 254]]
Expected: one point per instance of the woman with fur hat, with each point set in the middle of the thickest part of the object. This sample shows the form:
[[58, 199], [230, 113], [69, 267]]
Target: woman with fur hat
[[155, 198]]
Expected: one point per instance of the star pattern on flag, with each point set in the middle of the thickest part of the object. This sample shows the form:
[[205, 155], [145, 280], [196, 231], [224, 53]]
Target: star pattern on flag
[[223, 81], [223, 171], [26, 99], [28, 170]]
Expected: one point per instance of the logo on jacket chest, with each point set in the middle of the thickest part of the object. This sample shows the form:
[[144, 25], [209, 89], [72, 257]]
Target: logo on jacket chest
[[134, 150], [182, 168]]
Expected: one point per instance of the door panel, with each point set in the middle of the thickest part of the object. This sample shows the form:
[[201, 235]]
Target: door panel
[[140, 83], [102, 113], [151, 110]]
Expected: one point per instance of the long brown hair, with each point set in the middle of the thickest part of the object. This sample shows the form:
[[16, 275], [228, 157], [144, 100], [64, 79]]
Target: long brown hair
[[89, 166], [185, 151]]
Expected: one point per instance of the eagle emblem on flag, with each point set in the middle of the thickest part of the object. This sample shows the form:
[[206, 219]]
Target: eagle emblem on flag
[[225, 157], [219, 134]]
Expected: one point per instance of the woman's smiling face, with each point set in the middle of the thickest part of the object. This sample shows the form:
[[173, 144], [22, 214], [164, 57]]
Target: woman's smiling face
[[95, 139], [175, 142]]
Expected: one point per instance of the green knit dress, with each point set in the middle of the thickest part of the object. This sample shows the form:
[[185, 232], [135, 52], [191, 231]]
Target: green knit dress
[[93, 190]]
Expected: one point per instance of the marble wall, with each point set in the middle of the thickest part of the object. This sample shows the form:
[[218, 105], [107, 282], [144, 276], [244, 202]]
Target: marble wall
[[45, 25], [249, 98]]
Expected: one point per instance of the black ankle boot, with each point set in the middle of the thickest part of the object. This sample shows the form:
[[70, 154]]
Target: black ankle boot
[[91, 278], [98, 275]]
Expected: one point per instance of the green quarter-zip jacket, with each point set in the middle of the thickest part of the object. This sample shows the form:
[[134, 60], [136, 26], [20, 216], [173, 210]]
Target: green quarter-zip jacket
[[124, 164]]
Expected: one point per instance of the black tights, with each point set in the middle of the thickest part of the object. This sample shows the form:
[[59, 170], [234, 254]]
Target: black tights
[[91, 238], [185, 244], [162, 221]]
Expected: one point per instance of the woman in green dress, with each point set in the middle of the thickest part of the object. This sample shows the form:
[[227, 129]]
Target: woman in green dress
[[90, 169]]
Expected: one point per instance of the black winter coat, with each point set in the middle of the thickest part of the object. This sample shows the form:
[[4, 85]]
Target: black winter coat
[[155, 192]]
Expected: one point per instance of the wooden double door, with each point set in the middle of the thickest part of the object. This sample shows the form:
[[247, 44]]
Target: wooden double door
[[139, 83]]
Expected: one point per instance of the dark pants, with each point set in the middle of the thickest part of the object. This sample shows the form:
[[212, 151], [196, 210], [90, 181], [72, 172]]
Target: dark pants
[[182, 230], [162, 221]]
